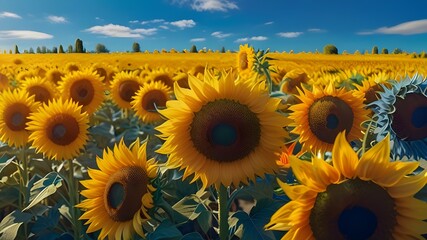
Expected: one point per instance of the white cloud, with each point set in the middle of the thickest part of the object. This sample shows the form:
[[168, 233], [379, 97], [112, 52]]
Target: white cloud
[[112, 30], [163, 27], [256, 38], [133, 21], [268, 23], [9, 15], [213, 5], [153, 21], [24, 34], [406, 28], [56, 19], [99, 19], [184, 23], [290, 34], [316, 30], [220, 34], [197, 39]]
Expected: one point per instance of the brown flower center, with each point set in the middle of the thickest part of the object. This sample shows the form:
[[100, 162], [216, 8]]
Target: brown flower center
[[63, 129], [410, 117], [40, 93], [123, 193], [154, 99], [353, 209], [328, 116], [16, 116], [82, 91], [225, 130], [164, 78], [127, 90]]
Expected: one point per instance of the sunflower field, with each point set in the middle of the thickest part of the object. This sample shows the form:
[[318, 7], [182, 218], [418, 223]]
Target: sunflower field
[[186, 146]]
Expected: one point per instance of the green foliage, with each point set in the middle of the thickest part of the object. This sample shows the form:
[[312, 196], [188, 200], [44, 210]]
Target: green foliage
[[10, 225], [375, 50], [38, 50], [330, 49], [193, 49], [223, 50], [384, 51], [101, 48], [79, 46], [397, 51], [54, 50], [136, 47], [61, 49], [16, 49], [70, 49]]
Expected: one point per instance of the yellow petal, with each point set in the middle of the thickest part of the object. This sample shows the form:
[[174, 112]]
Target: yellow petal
[[411, 207], [344, 159], [408, 186], [411, 226], [395, 172], [325, 173], [375, 160], [303, 170]]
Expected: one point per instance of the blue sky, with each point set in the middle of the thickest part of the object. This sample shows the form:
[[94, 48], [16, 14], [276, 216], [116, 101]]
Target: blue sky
[[283, 25]]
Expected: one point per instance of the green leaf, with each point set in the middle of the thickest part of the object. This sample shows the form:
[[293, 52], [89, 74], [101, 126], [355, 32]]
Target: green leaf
[[5, 160], [43, 188], [9, 226], [253, 223], [192, 236], [8, 195], [194, 207], [165, 231]]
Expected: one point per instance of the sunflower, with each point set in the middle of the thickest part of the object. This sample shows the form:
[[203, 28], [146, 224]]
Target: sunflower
[[84, 87], [59, 129], [72, 67], [324, 113], [370, 198], [42, 89], [293, 80], [150, 97], [15, 108], [4, 80], [123, 87], [103, 71], [54, 75], [222, 130], [402, 111], [120, 193], [163, 75], [245, 59]]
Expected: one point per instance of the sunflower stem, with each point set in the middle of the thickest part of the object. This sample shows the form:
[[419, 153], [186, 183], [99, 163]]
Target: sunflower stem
[[73, 199], [223, 212], [23, 183]]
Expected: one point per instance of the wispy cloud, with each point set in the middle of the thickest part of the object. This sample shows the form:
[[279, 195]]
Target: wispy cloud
[[56, 19], [9, 15], [316, 30], [184, 23], [256, 38], [220, 34], [268, 23], [197, 39], [99, 19], [406, 28], [153, 21], [24, 34], [289, 34], [163, 27], [133, 21], [112, 30], [209, 5]]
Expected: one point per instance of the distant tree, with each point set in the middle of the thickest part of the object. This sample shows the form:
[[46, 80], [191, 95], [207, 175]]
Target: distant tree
[[25, 51], [375, 50], [397, 51], [357, 52], [31, 50], [10, 51], [55, 50], [16, 49], [193, 49], [44, 49], [48, 50], [136, 47], [100, 48], [79, 46], [38, 50], [423, 54], [384, 51], [330, 49], [61, 49], [223, 50], [70, 48]]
